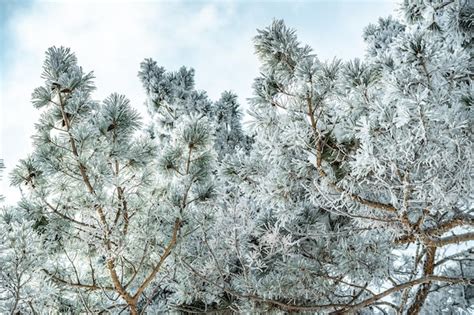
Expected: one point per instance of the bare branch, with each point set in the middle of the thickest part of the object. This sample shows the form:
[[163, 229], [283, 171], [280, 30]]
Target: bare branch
[[76, 285]]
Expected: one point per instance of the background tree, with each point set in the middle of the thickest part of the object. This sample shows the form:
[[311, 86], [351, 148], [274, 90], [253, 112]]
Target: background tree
[[182, 127], [172, 97], [23, 288], [230, 136]]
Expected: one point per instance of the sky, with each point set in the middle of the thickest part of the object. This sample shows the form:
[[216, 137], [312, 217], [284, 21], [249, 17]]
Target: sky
[[113, 37]]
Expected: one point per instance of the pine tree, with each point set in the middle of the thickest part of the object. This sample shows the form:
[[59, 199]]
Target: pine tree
[[290, 238], [96, 189], [229, 133], [183, 129], [358, 184], [23, 288], [170, 96]]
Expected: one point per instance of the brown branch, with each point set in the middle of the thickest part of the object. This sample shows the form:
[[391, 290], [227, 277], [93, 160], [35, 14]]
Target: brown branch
[[345, 309], [55, 210], [92, 269], [366, 202], [359, 294], [140, 264], [422, 294], [425, 71], [123, 209], [404, 298], [166, 253], [317, 134], [456, 255], [110, 262], [71, 261], [455, 239], [276, 104], [118, 285], [448, 225], [184, 203], [442, 5], [370, 301], [188, 161], [440, 229], [91, 287], [82, 168]]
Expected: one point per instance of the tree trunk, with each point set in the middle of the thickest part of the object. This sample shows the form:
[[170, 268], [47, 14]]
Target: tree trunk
[[133, 309], [424, 289]]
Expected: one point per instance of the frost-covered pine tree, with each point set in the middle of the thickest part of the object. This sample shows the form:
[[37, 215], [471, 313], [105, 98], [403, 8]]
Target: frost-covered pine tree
[[180, 112], [171, 95], [357, 193], [408, 105], [286, 240], [98, 191], [19, 260], [227, 116], [23, 288], [172, 98]]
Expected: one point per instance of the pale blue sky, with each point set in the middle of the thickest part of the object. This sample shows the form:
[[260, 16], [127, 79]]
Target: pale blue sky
[[113, 37]]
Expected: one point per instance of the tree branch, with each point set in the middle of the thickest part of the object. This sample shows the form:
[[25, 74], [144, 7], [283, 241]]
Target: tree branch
[[439, 242], [77, 285], [356, 307], [422, 294], [166, 253], [438, 230]]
